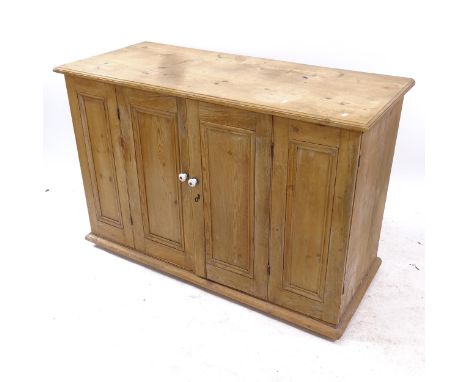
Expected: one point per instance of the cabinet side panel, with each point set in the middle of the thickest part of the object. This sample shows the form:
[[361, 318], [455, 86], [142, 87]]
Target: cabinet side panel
[[376, 156]]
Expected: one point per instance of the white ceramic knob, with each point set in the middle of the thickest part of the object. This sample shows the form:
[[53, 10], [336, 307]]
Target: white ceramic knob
[[192, 182], [183, 176]]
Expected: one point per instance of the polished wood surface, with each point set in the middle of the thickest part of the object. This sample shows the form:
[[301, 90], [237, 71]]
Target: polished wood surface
[[287, 212], [334, 97]]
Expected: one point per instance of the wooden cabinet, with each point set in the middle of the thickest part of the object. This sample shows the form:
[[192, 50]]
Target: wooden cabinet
[[259, 180]]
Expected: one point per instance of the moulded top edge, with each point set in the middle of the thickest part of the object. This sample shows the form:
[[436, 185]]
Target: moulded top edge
[[334, 97]]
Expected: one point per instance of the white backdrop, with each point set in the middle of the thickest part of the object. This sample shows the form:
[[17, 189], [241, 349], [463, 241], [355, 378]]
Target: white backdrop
[[67, 337]]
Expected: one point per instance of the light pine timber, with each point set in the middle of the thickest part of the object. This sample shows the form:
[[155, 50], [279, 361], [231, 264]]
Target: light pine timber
[[292, 161], [376, 155], [310, 216], [335, 97], [236, 162], [157, 150], [98, 137]]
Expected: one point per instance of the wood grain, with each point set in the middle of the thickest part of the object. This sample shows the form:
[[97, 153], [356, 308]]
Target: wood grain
[[312, 194], [335, 97], [376, 155], [348, 157], [157, 159], [101, 157], [157, 150], [229, 157], [195, 170], [309, 199], [235, 148], [98, 136]]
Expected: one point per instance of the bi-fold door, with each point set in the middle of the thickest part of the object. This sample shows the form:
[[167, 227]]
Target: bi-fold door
[[197, 179]]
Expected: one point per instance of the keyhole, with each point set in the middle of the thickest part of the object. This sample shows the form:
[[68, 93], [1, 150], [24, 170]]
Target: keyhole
[[197, 198]]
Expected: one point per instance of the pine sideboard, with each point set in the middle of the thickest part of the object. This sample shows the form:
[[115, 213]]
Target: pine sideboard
[[259, 180]]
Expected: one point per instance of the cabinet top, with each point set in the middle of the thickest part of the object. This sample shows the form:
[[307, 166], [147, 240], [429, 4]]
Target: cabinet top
[[334, 97]]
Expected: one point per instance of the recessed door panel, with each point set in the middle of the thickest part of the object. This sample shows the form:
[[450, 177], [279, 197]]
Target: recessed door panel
[[310, 189], [310, 197], [101, 158], [155, 133], [98, 137], [235, 151], [157, 161], [229, 159]]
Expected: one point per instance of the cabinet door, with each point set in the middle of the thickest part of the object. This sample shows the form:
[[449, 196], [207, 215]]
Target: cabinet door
[[98, 136], [156, 139], [312, 185], [236, 167]]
